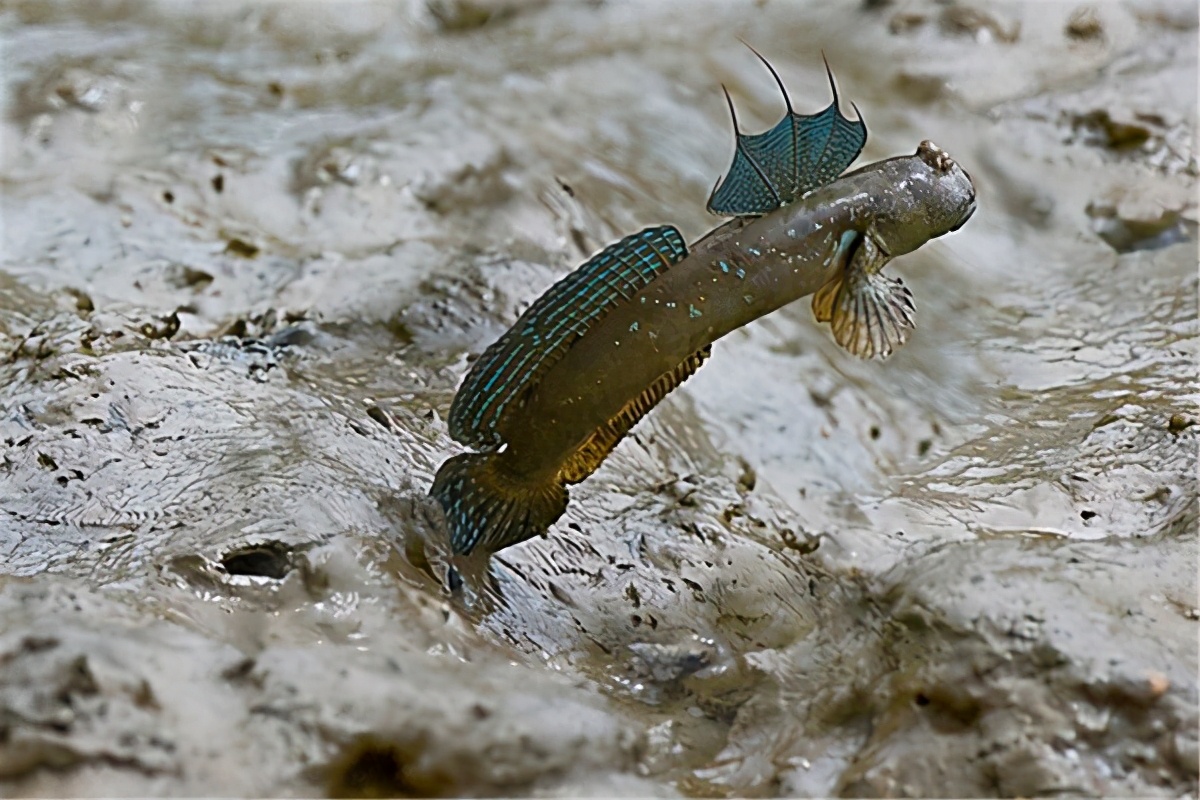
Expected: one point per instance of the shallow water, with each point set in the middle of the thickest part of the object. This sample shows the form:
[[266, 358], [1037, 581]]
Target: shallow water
[[250, 250]]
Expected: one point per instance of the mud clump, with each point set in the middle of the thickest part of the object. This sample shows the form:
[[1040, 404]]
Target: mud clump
[[1140, 220]]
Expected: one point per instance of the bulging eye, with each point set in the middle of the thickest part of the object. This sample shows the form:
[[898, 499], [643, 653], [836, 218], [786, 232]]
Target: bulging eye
[[935, 156]]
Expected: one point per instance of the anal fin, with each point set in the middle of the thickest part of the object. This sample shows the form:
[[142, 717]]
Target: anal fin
[[596, 448]]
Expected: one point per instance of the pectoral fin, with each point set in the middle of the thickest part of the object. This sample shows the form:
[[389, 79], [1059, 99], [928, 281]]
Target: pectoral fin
[[822, 302], [870, 313]]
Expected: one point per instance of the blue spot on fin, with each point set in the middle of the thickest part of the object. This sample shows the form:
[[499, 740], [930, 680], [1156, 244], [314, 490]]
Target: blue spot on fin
[[567, 310], [801, 153]]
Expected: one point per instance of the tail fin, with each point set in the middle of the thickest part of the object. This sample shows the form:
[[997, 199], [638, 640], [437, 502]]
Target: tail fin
[[487, 507]]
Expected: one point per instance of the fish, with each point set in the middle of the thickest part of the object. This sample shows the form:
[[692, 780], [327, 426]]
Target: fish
[[546, 404]]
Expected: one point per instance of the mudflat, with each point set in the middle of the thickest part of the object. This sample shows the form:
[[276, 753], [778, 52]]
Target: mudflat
[[249, 251]]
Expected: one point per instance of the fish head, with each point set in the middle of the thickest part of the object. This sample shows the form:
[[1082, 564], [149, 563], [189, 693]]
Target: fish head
[[927, 195]]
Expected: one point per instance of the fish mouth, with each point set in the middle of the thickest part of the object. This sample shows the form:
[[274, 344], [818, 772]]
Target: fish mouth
[[963, 221]]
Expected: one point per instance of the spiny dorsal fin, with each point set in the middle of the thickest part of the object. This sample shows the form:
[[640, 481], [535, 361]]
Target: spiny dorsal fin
[[592, 452], [551, 325], [801, 153]]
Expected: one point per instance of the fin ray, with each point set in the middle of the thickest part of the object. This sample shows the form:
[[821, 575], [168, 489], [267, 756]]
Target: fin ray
[[799, 154], [551, 325], [871, 314], [843, 254], [596, 448], [822, 302], [486, 507]]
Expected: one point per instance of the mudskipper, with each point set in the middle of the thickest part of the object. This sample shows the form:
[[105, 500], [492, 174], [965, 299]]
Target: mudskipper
[[547, 402]]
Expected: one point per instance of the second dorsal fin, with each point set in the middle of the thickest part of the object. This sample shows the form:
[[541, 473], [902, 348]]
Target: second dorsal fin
[[551, 325]]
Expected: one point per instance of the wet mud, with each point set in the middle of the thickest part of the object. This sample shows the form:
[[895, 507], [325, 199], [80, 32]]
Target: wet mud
[[250, 250]]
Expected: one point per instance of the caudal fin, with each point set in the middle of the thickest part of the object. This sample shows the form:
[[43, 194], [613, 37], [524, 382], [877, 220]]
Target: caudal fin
[[486, 507]]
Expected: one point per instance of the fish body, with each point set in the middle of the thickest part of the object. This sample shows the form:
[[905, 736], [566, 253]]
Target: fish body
[[555, 394], [739, 272]]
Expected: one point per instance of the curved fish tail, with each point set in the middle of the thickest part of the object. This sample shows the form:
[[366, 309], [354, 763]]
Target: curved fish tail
[[488, 507]]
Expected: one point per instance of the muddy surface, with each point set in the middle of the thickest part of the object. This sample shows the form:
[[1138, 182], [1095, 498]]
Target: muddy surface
[[249, 251]]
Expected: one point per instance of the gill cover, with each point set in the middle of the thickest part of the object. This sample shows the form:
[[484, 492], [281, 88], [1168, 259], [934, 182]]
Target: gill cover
[[801, 153]]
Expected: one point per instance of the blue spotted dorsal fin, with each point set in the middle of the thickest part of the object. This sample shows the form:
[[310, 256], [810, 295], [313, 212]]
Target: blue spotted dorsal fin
[[801, 153], [518, 359]]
